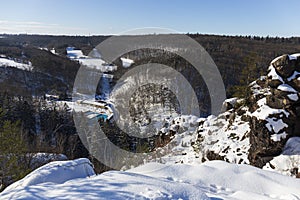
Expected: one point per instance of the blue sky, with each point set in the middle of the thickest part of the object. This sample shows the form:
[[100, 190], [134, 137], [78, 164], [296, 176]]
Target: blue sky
[[88, 17]]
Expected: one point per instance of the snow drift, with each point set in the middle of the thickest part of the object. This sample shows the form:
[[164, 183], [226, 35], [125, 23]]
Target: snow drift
[[211, 180]]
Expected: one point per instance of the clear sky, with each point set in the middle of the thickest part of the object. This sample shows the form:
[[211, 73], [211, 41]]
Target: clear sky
[[88, 17]]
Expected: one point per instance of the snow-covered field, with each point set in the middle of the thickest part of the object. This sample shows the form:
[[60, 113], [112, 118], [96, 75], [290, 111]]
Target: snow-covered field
[[213, 180]]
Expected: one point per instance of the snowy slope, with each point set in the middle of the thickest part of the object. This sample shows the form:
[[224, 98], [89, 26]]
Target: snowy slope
[[55, 173], [4, 62], [211, 180]]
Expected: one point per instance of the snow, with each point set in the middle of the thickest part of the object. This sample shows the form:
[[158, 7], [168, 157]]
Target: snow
[[275, 125], [181, 150], [91, 108], [292, 146], [296, 55], [211, 180], [283, 164], [97, 63], [258, 90], [292, 57], [73, 53], [231, 100], [277, 137], [126, 62], [288, 160], [92, 61], [264, 110], [225, 135], [56, 172], [293, 97], [4, 62], [273, 74], [53, 51], [276, 59], [286, 88]]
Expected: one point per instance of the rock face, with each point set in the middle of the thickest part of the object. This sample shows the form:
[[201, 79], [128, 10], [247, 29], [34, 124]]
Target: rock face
[[256, 132], [281, 121]]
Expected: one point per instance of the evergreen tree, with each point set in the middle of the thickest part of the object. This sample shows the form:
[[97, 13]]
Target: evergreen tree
[[250, 72], [14, 160]]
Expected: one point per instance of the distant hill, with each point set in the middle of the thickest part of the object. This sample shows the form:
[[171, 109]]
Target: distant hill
[[229, 53]]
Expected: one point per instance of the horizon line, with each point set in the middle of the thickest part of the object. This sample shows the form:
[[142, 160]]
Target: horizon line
[[185, 33]]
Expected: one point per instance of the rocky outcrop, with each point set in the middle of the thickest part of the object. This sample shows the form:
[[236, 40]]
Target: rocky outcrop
[[251, 131], [255, 131], [279, 120]]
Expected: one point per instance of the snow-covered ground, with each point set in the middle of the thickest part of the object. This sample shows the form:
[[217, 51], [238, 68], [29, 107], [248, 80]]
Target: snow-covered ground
[[4, 62], [287, 160], [126, 62], [213, 180], [73, 53], [97, 63]]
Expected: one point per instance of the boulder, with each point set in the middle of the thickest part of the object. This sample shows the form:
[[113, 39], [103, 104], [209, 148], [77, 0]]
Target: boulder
[[295, 83], [273, 83], [262, 148], [274, 102], [285, 65]]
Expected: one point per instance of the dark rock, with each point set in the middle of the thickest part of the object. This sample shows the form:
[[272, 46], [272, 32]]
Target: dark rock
[[295, 84], [294, 171], [229, 104], [274, 102], [214, 156], [284, 66], [274, 83], [262, 148], [297, 111]]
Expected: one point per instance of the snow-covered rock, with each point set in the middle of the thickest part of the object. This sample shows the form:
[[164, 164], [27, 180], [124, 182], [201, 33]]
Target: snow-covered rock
[[224, 137], [255, 132], [288, 162]]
